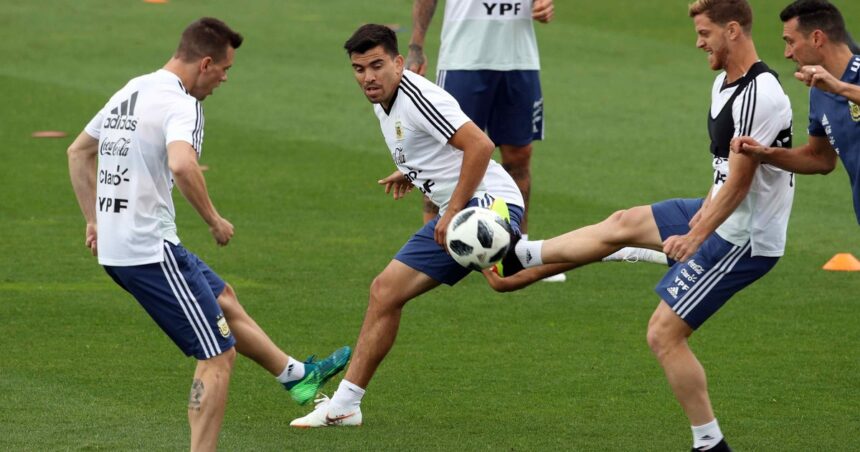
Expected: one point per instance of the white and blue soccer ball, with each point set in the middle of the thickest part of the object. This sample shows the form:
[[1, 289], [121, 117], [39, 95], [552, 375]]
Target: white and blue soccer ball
[[478, 238]]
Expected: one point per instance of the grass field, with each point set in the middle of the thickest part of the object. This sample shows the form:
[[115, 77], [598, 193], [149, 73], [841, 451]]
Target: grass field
[[295, 152]]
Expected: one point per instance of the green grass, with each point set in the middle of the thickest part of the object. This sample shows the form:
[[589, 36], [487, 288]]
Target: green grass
[[295, 151]]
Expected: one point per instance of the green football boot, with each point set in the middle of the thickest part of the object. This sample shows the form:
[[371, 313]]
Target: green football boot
[[317, 373]]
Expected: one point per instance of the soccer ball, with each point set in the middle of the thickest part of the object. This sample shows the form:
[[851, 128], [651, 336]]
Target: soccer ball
[[478, 238]]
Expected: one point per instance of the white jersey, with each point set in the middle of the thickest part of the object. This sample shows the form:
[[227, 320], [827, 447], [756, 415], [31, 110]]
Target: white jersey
[[134, 205], [491, 35], [421, 120], [761, 111]]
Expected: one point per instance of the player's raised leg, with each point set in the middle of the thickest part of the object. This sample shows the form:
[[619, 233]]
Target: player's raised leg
[[632, 227], [301, 379], [208, 399], [389, 292]]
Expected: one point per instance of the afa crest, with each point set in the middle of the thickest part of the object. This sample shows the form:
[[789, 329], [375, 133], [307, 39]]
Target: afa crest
[[223, 328], [398, 130], [855, 111]]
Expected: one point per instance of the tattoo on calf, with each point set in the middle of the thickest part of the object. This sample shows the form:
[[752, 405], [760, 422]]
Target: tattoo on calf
[[196, 394]]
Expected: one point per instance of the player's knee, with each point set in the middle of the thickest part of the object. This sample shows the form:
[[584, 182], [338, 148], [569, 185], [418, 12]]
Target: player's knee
[[662, 338], [517, 157], [229, 302], [383, 293], [222, 362]]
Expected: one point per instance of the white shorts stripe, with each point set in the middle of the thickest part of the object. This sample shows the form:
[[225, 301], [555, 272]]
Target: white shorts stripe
[[207, 349], [440, 78], [705, 280], [725, 268], [193, 305]]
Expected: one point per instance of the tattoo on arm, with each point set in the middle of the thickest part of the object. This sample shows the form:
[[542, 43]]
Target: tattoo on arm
[[196, 395], [422, 12]]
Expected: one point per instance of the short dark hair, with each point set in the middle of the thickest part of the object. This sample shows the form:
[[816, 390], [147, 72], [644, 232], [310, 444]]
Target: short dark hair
[[207, 36], [372, 35], [722, 12], [817, 15]]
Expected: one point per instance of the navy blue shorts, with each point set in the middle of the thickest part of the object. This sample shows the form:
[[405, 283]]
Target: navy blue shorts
[[698, 288], [180, 294], [422, 253], [508, 105]]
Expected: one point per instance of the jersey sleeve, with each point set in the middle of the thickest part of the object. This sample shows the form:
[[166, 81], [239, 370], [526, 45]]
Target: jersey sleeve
[[815, 129], [184, 122], [762, 110], [433, 111], [94, 127]]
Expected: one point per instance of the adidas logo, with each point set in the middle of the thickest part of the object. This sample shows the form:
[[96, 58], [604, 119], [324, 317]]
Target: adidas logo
[[706, 438], [290, 369], [528, 256], [122, 117], [673, 291]]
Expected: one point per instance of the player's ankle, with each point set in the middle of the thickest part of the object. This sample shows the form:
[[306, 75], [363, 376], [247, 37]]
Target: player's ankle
[[529, 253]]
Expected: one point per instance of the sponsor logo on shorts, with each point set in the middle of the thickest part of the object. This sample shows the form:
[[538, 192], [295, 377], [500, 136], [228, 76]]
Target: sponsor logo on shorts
[[696, 267], [223, 328], [688, 276]]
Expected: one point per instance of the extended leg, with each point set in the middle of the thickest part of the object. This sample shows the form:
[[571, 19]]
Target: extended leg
[[251, 340]]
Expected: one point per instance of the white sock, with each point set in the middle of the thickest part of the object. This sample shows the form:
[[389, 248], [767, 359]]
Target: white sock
[[347, 395], [529, 253], [294, 371], [524, 236], [706, 436]]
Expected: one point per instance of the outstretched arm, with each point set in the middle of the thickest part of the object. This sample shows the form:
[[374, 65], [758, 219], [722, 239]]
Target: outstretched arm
[[83, 157], [422, 13], [815, 157], [525, 277]]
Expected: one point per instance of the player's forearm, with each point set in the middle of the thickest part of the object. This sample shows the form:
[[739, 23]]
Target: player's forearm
[[422, 14], [475, 163], [192, 184], [802, 160], [850, 91], [719, 209]]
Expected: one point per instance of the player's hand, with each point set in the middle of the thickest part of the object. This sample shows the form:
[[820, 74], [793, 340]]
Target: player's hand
[[680, 248], [500, 284], [416, 61], [222, 231], [747, 146], [441, 231], [91, 240], [818, 77], [396, 184], [543, 10]]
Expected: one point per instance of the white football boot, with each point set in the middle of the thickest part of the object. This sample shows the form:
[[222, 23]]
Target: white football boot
[[323, 416], [633, 255]]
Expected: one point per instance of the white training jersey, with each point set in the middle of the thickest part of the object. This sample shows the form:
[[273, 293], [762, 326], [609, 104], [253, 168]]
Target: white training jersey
[[488, 34], [761, 111], [422, 119], [134, 205]]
